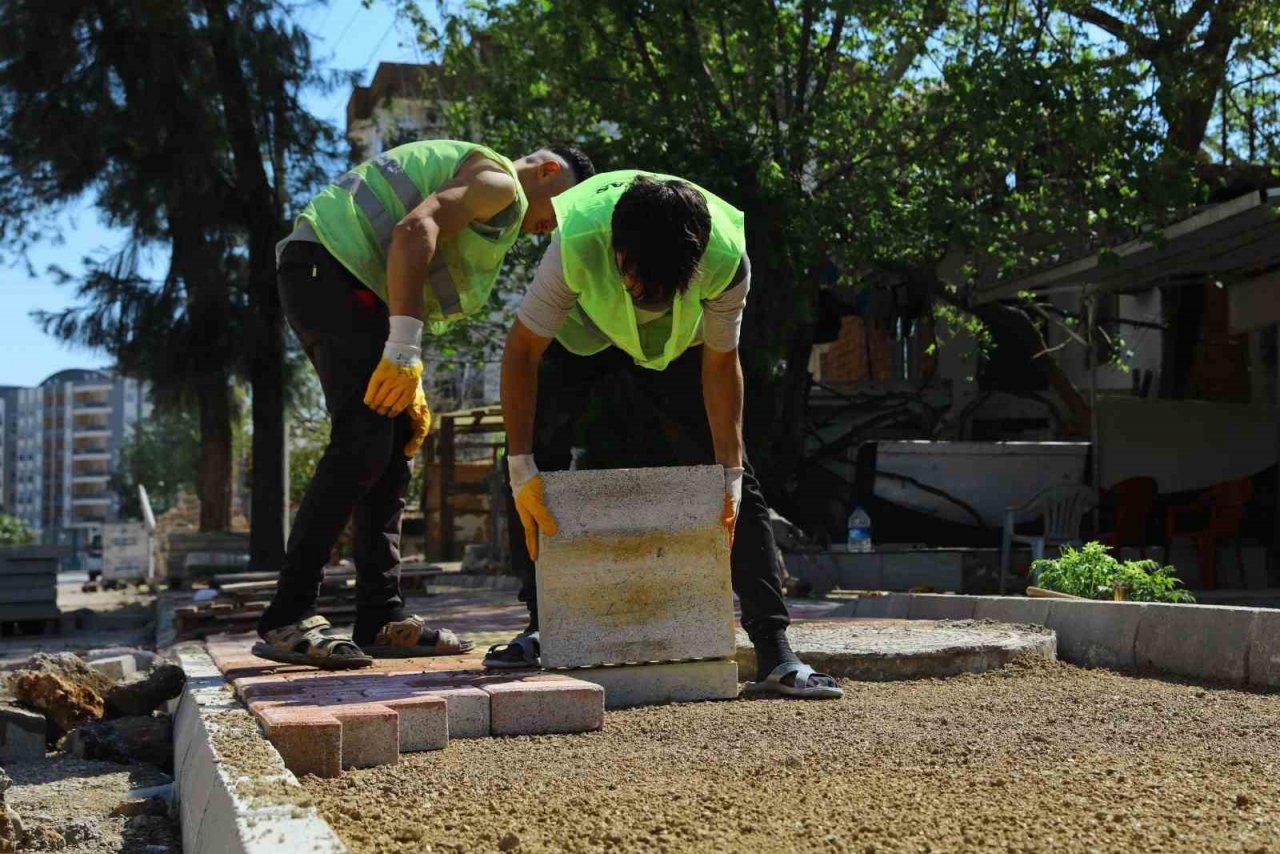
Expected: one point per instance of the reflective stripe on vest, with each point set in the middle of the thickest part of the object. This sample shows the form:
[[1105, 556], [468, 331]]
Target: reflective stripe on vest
[[439, 277]]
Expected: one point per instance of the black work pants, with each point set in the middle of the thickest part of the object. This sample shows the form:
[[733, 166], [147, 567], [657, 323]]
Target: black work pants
[[363, 475], [666, 406]]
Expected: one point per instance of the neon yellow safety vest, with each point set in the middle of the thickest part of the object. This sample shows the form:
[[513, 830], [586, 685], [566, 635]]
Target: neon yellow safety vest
[[354, 217], [604, 314]]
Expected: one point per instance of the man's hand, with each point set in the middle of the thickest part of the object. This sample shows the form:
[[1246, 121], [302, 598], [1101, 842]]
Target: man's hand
[[397, 379], [420, 420], [732, 501], [526, 486]]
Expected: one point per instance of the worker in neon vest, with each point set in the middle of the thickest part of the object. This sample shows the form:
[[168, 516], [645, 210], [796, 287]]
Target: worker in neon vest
[[416, 235], [646, 276]]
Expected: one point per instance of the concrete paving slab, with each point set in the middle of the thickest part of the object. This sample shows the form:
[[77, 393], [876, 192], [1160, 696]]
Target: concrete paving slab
[[22, 734], [1096, 634], [118, 667], [234, 794], [639, 570], [883, 650], [1264, 650], [928, 606], [1012, 609], [1199, 641], [893, 606], [654, 684]]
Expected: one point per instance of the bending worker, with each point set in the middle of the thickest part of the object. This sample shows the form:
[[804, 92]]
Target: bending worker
[[646, 278], [416, 234]]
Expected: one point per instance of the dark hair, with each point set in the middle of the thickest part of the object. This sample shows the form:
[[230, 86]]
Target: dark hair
[[661, 229], [579, 163]]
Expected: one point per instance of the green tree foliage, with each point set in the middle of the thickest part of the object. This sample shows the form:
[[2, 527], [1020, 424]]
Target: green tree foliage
[[163, 455], [1092, 573], [15, 532], [181, 122], [936, 144]]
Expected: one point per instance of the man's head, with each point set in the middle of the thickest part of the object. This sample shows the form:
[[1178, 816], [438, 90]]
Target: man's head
[[545, 174], [660, 230]]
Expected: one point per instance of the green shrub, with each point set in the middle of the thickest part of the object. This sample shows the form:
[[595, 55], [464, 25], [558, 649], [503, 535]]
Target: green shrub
[[15, 532], [1093, 573]]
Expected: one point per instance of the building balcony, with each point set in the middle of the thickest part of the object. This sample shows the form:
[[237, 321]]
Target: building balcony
[[97, 499], [91, 431], [79, 410], [90, 477], [94, 453], [93, 388]]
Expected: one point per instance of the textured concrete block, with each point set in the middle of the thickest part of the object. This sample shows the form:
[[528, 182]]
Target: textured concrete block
[[1012, 609], [424, 722], [22, 734], [370, 735], [639, 570], [1096, 634], [1199, 641], [927, 606], [118, 667], [546, 703], [653, 684], [1264, 649], [309, 740]]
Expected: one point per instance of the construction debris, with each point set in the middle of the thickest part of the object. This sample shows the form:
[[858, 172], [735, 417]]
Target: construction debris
[[139, 738], [144, 696], [67, 703]]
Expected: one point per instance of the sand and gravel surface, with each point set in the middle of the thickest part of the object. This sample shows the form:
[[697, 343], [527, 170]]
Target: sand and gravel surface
[[80, 800], [1035, 757]]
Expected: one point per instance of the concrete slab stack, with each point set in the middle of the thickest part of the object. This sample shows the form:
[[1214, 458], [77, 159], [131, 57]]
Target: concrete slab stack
[[634, 592]]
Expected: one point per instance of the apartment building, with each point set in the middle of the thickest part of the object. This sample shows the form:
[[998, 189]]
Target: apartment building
[[62, 442]]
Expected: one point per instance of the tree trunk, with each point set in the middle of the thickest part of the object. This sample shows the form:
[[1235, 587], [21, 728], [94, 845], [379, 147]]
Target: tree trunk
[[260, 207], [214, 484], [266, 527]]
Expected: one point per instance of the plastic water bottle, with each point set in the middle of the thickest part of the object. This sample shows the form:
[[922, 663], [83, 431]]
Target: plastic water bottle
[[859, 530]]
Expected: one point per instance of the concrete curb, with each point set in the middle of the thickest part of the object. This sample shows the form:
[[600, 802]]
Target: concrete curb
[[1236, 646], [234, 794]]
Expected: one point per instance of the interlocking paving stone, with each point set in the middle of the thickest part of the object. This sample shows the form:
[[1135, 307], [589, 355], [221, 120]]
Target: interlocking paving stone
[[322, 722]]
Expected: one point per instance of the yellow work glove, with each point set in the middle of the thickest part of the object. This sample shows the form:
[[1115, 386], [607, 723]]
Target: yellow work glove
[[398, 376], [732, 501], [526, 486], [420, 419]]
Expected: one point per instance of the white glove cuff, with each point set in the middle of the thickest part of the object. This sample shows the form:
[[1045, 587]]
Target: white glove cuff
[[733, 485], [404, 329], [523, 469]]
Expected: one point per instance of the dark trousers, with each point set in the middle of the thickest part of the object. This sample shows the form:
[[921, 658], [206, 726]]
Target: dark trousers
[[666, 406], [363, 475]]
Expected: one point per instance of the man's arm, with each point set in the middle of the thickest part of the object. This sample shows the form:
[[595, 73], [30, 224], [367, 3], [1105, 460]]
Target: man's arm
[[722, 394], [478, 194], [520, 359], [475, 197]]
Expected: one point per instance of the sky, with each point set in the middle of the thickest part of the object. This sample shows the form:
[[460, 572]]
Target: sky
[[345, 35]]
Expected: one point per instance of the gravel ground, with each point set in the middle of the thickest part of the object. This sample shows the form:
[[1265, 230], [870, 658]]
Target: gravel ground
[[1037, 757], [78, 799]]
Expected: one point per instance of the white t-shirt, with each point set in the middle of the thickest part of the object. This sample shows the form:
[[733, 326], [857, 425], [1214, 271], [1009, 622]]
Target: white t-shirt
[[548, 301]]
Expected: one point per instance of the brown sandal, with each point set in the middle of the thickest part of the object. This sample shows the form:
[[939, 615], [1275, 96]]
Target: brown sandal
[[314, 643], [403, 639]]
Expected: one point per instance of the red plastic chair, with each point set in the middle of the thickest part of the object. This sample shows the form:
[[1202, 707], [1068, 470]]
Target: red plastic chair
[[1217, 513], [1132, 501]]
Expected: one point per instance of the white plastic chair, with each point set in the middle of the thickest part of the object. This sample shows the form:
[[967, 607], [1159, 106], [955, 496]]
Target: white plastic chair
[[1062, 507]]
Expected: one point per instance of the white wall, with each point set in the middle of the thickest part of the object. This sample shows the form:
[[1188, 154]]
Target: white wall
[[1184, 444]]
